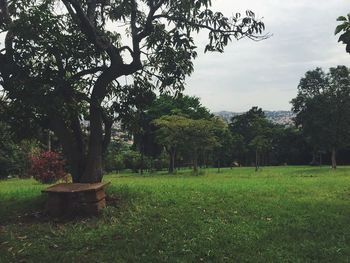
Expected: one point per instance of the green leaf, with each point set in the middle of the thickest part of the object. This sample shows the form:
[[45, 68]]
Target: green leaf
[[340, 28], [342, 18]]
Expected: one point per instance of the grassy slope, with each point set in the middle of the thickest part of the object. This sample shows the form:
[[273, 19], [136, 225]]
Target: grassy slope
[[281, 214]]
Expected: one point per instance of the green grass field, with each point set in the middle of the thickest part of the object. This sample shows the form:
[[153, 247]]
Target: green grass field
[[280, 214]]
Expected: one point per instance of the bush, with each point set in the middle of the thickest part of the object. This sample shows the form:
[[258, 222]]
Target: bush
[[47, 167]]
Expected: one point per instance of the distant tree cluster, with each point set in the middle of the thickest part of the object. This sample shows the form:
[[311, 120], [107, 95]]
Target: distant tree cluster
[[257, 141], [184, 130], [179, 134]]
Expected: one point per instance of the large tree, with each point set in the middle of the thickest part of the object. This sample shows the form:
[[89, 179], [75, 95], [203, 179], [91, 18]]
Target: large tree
[[62, 61], [323, 109], [309, 105]]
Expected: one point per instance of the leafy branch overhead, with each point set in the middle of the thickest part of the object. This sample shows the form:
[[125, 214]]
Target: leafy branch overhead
[[344, 30]]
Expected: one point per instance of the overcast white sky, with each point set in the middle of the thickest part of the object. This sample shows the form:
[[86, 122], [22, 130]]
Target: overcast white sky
[[267, 73]]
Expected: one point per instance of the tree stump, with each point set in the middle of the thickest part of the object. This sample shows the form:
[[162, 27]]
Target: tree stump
[[75, 199]]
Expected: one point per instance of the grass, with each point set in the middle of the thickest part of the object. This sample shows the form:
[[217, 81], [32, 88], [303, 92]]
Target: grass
[[280, 214]]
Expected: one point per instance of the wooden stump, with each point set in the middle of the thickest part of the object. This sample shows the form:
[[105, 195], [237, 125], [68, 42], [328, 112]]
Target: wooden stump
[[75, 199]]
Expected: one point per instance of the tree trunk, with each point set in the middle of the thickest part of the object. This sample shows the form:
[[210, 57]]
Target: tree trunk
[[72, 146], [49, 140], [334, 158], [195, 162], [314, 156], [256, 160], [172, 154], [142, 161], [219, 166], [97, 143], [93, 168]]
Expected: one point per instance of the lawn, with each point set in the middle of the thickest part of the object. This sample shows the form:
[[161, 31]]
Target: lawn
[[280, 214]]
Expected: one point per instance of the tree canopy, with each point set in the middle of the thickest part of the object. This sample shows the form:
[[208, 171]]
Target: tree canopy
[[323, 108], [179, 133], [251, 132]]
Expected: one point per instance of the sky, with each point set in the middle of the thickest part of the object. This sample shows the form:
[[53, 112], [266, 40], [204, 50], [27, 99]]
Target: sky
[[267, 73]]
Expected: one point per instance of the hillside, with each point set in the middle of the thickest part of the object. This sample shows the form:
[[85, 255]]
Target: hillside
[[278, 117]]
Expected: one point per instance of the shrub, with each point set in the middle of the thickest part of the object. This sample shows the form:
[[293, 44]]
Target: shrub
[[47, 167]]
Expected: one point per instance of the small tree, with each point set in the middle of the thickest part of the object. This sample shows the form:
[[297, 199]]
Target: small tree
[[189, 135], [171, 134], [260, 143], [201, 137], [222, 150]]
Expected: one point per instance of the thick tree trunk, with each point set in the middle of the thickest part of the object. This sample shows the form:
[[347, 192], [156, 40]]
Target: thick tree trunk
[[334, 158], [93, 168], [97, 143]]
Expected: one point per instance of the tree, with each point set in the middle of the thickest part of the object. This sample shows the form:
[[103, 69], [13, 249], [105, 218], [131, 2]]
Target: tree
[[192, 136], [289, 146], [139, 122], [344, 29], [323, 109], [72, 56], [222, 154], [252, 134], [262, 139], [309, 105], [171, 134], [202, 136], [339, 110]]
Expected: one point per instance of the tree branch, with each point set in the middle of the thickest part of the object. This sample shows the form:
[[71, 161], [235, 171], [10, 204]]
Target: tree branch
[[85, 24], [87, 72], [235, 28], [91, 10]]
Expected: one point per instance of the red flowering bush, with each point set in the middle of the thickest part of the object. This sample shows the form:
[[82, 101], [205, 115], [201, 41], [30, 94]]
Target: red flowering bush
[[47, 167]]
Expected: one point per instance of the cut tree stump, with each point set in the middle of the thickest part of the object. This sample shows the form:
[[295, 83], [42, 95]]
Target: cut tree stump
[[75, 199]]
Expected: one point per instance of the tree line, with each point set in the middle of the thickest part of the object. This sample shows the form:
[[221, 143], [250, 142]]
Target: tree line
[[190, 135], [171, 132]]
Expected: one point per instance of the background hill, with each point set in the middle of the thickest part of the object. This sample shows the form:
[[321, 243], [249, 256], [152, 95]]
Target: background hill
[[278, 117]]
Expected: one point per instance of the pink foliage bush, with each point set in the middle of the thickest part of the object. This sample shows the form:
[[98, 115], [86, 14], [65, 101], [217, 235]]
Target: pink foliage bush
[[47, 167]]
